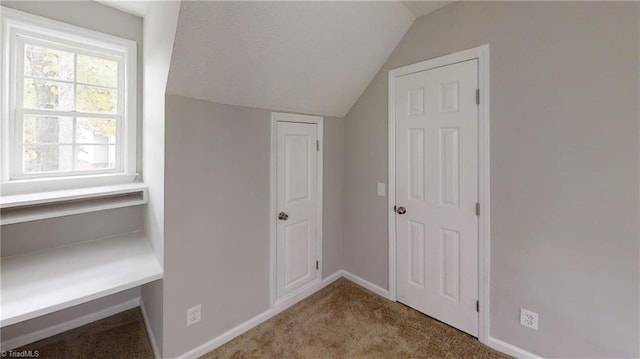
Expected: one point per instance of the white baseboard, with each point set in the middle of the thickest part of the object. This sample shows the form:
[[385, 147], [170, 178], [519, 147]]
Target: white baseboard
[[150, 333], [260, 318], [366, 284], [494, 343], [278, 307], [510, 349], [214, 343], [68, 325], [286, 302]]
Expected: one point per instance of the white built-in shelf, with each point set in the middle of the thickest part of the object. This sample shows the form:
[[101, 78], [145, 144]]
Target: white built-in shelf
[[36, 206], [46, 281]]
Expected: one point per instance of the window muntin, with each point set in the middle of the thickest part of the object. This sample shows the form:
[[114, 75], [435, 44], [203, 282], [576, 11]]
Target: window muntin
[[81, 132], [70, 109]]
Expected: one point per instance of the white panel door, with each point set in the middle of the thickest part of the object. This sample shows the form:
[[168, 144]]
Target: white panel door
[[297, 206], [437, 189]]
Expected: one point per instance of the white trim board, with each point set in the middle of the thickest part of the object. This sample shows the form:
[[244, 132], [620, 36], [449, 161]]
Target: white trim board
[[366, 284], [79, 194], [70, 324], [15, 22], [232, 333], [492, 342], [510, 349], [319, 122], [270, 313], [74, 274], [480, 53], [258, 319]]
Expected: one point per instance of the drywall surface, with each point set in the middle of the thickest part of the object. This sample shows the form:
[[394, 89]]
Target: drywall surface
[[217, 216], [159, 32], [31, 236], [21, 238], [152, 305], [159, 26], [87, 14], [564, 168], [296, 56], [93, 16]]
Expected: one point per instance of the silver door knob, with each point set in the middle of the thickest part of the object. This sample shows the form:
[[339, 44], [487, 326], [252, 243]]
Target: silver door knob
[[401, 210], [283, 216]]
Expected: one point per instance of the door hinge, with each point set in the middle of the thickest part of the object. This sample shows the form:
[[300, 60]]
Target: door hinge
[[317, 265], [318, 145], [477, 96], [478, 306], [478, 209]]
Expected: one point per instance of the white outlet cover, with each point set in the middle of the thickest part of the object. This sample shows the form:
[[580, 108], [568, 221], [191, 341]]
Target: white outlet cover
[[194, 315], [381, 189], [529, 319]]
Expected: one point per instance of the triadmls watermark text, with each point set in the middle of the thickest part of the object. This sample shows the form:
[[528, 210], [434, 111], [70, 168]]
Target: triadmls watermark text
[[20, 354]]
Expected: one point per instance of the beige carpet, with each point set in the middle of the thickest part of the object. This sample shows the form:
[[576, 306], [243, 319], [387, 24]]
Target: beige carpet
[[120, 336], [341, 321], [346, 321]]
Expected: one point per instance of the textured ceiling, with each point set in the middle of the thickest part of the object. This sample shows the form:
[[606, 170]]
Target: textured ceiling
[[139, 7], [307, 57], [422, 8]]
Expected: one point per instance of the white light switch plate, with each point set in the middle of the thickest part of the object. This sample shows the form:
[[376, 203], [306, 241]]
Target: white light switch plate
[[381, 189]]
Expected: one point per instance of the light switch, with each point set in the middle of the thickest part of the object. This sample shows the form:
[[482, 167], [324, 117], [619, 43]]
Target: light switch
[[381, 189]]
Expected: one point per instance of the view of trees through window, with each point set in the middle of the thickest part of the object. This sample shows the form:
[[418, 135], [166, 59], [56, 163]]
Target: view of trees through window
[[80, 92]]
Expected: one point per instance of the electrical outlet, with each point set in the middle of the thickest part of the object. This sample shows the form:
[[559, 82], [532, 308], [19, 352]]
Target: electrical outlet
[[194, 315], [529, 319]]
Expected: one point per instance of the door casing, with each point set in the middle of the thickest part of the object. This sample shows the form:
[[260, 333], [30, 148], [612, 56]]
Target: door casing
[[480, 53], [273, 210]]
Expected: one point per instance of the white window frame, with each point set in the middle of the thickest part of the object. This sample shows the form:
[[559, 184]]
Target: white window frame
[[16, 26]]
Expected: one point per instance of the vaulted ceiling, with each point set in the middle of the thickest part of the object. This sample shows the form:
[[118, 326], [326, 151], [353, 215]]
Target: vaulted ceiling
[[313, 57], [308, 57]]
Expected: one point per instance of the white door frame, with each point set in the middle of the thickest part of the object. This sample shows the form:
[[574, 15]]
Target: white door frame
[[319, 122], [480, 53]]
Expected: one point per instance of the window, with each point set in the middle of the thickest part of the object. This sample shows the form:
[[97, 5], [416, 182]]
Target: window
[[69, 102]]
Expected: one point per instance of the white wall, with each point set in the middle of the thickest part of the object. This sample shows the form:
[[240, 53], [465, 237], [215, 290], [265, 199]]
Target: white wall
[[21, 238], [217, 216], [30, 236], [94, 16], [564, 168], [159, 32], [565, 176]]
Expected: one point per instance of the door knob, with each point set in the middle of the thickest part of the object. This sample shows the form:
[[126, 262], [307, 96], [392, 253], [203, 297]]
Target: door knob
[[283, 216], [401, 210]]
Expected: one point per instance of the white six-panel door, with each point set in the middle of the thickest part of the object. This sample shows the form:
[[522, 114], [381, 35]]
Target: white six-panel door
[[437, 185], [297, 206]]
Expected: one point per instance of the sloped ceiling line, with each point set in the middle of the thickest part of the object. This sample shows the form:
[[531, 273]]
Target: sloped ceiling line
[[306, 57]]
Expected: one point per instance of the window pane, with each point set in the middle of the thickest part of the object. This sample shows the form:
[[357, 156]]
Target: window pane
[[47, 129], [96, 99], [93, 157], [47, 158], [40, 61], [53, 95], [97, 71], [96, 130]]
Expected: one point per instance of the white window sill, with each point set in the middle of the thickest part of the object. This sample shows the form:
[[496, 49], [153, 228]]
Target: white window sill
[[43, 282], [30, 186], [19, 208]]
